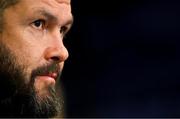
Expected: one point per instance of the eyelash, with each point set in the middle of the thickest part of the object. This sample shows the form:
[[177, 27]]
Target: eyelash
[[41, 24]]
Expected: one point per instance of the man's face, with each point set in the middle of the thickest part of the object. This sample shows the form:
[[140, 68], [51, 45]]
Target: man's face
[[32, 56]]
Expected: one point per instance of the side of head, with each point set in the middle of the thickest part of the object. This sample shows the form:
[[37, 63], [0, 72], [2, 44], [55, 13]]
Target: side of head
[[32, 56], [3, 5]]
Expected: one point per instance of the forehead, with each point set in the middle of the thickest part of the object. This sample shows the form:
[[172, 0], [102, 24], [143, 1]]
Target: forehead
[[67, 2], [32, 5], [58, 1], [39, 3], [27, 8], [64, 1]]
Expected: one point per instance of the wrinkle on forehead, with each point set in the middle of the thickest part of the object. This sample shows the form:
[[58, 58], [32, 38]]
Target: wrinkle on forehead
[[64, 1], [68, 2]]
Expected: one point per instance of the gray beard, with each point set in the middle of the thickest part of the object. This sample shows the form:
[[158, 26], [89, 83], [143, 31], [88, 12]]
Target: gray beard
[[18, 99]]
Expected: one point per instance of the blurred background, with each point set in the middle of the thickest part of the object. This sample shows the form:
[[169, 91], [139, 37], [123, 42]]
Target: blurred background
[[124, 59]]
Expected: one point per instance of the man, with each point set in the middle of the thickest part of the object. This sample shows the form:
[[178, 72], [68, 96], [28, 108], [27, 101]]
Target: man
[[32, 56]]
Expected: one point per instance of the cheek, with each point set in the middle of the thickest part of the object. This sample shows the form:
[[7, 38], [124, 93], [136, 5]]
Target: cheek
[[25, 47], [14, 43], [31, 48], [35, 39], [34, 46]]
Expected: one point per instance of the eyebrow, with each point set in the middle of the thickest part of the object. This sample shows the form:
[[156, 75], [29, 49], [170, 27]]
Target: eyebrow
[[52, 17]]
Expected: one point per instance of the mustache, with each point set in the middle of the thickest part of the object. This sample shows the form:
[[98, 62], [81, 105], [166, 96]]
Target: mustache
[[46, 69]]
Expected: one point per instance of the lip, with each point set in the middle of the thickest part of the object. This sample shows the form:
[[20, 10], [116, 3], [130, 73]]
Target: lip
[[52, 75], [42, 83], [48, 77], [45, 79]]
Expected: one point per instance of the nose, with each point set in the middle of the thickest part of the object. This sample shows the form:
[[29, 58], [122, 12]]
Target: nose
[[57, 53]]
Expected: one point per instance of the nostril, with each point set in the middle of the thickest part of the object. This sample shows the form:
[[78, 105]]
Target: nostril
[[55, 58], [56, 54]]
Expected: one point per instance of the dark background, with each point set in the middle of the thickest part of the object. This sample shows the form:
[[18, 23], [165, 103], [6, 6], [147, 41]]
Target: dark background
[[124, 59]]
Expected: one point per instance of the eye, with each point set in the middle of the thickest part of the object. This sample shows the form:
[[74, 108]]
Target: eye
[[39, 24]]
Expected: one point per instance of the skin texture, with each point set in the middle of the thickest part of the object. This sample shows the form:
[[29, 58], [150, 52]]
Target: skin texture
[[3, 5], [32, 38]]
